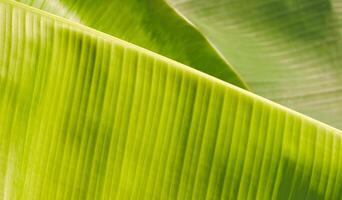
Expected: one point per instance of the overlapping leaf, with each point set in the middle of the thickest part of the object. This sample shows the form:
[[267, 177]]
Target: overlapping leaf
[[150, 24], [288, 51]]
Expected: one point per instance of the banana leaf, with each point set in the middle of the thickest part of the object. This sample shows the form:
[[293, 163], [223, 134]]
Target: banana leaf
[[151, 24], [85, 115], [285, 50]]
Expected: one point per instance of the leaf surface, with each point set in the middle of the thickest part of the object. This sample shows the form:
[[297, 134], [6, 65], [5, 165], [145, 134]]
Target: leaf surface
[[150, 24], [84, 115], [285, 50]]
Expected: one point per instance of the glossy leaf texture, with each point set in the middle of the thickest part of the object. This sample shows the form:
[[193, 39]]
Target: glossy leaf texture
[[151, 24], [84, 115], [285, 50]]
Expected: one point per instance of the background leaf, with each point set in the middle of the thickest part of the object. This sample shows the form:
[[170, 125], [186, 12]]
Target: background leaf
[[288, 51]]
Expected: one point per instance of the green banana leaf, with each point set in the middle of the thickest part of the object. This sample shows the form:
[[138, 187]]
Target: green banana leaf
[[285, 50], [151, 24], [84, 115]]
